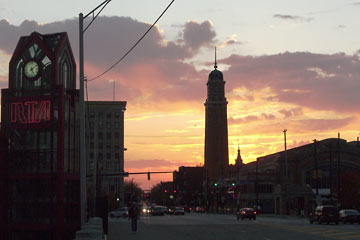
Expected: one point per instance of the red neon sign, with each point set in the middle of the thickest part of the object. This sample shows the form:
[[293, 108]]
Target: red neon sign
[[30, 111]]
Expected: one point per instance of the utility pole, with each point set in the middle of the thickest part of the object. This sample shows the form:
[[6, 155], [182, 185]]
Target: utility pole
[[257, 183], [316, 171], [331, 173], [286, 174], [286, 160], [338, 168], [83, 203]]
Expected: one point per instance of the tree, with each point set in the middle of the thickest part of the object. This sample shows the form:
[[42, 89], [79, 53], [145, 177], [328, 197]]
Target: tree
[[161, 192], [133, 192]]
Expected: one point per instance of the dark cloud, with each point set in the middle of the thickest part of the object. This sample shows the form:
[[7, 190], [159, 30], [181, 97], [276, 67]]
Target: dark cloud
[[121, 33], [197, 34], [323, 124], [317, 81], [293, 18]]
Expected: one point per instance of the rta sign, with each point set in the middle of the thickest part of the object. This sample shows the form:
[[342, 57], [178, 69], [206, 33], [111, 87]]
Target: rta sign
[[28, 112]]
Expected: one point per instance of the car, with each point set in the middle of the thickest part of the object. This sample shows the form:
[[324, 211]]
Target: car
[[199, 209], [326, 213], [249, 213], [158, 211], [179, 211], [146, 210], [170, 210], [349, 216], [121, 212]]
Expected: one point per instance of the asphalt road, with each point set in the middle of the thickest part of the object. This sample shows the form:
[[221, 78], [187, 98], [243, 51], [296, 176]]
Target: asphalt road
[[226, 227]]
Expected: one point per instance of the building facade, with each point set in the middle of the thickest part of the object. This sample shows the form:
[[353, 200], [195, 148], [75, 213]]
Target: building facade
[[105, 144], [216, 130], [188, 182], [40, 135], [300, 179]]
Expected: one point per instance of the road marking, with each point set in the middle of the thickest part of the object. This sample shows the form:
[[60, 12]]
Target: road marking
[[352, 236], [339, 233]]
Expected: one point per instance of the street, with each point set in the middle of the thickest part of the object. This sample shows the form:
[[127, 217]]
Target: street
[[218, 226]]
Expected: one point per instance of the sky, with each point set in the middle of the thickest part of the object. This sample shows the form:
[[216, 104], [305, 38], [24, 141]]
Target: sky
[[288, 64]]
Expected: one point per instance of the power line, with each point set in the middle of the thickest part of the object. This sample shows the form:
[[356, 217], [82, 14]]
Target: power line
[[127, 53]]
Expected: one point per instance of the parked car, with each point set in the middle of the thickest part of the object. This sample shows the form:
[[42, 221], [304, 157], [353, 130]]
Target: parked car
[[349, 216], [179, 211], [121, 212], [249, 213], [326, 214]]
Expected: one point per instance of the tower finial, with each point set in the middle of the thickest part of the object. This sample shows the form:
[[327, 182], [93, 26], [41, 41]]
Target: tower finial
[[215, 66]]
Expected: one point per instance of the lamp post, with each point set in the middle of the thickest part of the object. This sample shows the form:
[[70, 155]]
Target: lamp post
[[83, 202]]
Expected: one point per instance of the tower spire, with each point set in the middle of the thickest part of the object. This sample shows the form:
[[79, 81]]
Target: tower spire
[[215, 65]]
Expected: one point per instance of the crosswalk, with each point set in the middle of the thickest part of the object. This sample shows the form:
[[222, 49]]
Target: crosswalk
[[337, 233]]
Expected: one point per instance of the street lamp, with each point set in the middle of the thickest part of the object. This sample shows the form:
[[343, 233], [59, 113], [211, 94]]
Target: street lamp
[[83, 202]]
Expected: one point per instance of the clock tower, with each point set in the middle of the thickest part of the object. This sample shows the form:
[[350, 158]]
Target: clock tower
[[40, 122], [216, 130]]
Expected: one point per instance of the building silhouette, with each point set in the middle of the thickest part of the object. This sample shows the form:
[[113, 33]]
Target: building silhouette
[[40, 164], [105, 144], [216, 130]]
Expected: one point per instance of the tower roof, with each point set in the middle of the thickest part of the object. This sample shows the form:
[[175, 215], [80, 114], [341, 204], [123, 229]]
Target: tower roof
[[215, 75]]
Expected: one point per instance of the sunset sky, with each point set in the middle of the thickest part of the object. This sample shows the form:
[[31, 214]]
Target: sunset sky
[[288, 64]]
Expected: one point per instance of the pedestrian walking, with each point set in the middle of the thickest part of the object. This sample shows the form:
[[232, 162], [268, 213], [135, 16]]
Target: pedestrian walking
[[134, 213]]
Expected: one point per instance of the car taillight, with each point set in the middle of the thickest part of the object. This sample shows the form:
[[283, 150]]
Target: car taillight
[[255, 213]]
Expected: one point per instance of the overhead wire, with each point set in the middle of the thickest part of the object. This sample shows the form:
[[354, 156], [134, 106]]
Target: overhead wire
[[136, 43]]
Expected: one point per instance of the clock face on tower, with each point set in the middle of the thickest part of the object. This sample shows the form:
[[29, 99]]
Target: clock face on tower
[[32, 69]]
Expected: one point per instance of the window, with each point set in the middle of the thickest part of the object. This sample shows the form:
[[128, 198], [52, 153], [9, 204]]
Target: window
[[100, 145], [100, 135], [91, 145], [100, 114], [92, 135], [117, 155], [100, 156], [108, 135], [108, 124], [92, 155], [108, 155], [117, 135], [108, 145], [92, 115], [108, 115]]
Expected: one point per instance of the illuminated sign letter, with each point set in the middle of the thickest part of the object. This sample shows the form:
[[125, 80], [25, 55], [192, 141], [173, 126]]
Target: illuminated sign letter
[[43, 112], [17, 112], [30, 111]]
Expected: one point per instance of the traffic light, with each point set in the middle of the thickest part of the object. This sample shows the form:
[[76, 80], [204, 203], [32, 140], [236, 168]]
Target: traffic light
[[215, 184], [148, 175], [233, 184], [165, 190]]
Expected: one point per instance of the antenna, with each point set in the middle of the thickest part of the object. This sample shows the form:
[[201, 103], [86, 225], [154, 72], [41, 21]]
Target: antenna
[[215, 66]]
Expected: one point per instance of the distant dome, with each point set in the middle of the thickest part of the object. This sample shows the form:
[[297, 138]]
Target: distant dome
[[215, 75]]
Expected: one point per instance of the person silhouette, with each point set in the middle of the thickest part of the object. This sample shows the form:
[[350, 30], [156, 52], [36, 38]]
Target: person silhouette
[[134, 212]]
